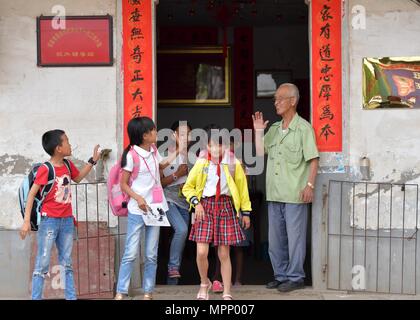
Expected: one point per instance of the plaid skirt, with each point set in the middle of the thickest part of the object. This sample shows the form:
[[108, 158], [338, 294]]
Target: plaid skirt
[[220, 226]]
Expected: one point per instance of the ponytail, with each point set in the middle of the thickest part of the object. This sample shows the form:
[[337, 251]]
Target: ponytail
[[124, 156]]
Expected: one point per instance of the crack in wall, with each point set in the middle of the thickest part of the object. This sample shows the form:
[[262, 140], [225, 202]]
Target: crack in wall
[[386, 186]]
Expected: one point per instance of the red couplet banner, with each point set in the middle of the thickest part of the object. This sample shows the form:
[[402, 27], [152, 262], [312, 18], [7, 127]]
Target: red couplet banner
[[137, 60], [326, 74]]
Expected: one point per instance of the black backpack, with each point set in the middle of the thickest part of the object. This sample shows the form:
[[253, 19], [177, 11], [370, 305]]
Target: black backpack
[[26, 186]]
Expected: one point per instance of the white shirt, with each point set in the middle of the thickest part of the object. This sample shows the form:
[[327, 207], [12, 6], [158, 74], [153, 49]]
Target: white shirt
[[144, 183], [173, 167], [212, 178]]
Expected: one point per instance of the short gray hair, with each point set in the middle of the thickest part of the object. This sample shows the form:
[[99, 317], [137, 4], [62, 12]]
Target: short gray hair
[[293, 89]]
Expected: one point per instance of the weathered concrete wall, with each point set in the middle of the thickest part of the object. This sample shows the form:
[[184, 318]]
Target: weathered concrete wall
[[389, 138], [81, 101], [15, 272], [85, 102]]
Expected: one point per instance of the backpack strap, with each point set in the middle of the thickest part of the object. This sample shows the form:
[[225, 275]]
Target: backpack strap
[[136, 164], [46, 189], [51, 178], [67, 164], [154, 148]]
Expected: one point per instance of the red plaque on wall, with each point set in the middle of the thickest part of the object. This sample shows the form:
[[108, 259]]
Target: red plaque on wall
[[75, 41]]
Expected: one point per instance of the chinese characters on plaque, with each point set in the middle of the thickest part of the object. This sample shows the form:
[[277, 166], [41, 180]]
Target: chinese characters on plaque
[[84, 41]]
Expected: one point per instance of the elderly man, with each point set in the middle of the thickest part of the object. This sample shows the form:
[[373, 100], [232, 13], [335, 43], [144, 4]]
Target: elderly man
[[291, 171]]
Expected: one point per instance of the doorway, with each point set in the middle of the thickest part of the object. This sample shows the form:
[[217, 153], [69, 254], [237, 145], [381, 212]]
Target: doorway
[[280, 46]]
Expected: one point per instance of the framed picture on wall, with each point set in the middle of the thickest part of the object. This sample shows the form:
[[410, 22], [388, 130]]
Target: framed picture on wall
[[74, 41], [193, 76], [267, 82], [391, 82]]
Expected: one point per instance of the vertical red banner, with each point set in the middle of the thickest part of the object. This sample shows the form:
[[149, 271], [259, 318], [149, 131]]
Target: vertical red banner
[[137, 60], [243, 71], [326, 74]]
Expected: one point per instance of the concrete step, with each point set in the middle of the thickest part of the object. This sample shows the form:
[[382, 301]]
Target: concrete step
[[257, 292]]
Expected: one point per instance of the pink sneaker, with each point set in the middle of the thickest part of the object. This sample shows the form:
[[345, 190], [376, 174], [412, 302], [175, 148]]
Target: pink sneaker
[[217, 287]]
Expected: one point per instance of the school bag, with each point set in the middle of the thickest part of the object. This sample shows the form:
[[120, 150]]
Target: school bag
[[118, 200], [26, 186]]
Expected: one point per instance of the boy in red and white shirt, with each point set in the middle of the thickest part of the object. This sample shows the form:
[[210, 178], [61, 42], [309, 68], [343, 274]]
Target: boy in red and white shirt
[[57, 222]]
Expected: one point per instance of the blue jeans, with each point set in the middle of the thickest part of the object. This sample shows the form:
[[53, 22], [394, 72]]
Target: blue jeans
[[179, 219], [58, 231], [287, 223], [135, 225]]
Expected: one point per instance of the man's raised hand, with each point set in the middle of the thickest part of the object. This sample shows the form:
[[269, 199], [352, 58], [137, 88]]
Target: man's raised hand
[[258, 121]]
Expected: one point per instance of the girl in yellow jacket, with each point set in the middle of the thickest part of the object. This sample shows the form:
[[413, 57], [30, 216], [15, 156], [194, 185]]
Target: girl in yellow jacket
[[217, 188]]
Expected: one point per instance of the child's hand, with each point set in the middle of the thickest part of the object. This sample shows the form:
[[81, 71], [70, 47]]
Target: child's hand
[[246, 222], [199, 212], [96, 153], [142, 203], [25, 230]]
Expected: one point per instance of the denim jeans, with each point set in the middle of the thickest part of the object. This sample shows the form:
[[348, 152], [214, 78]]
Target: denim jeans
[[135, 225], [179, 219], [287, 223], [58, 231]]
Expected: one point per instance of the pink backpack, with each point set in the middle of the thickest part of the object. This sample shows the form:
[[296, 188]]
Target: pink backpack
[[118, 200]]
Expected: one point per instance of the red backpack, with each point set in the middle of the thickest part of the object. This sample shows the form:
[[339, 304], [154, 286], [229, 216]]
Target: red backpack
[[118, 199]]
